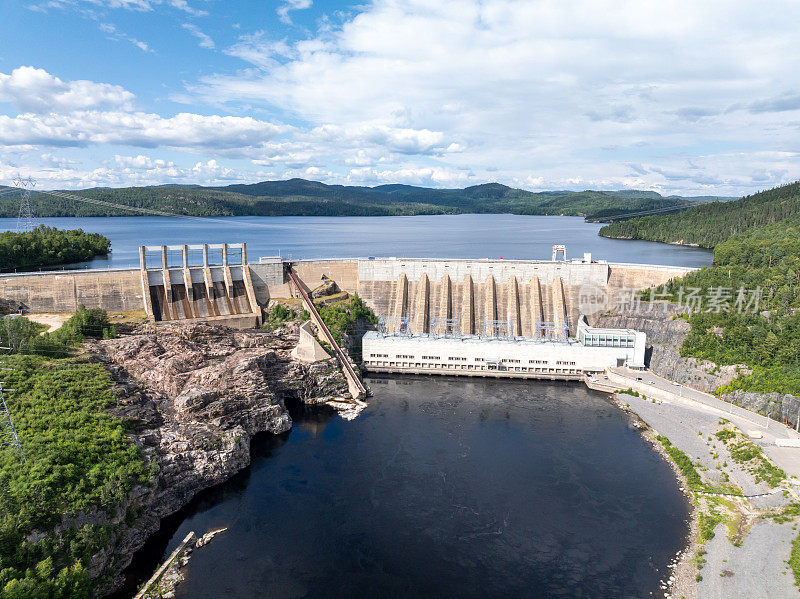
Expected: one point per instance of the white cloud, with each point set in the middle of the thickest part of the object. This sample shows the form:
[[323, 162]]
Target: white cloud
[[213, 171], [565, 93], [114, 34], [364, 157], [132, 5], [141, 162], [289, 5], [51, 160], [127, 171], [398, 139], [140, 129], [289, 154], [36, 90], [205, 40], [433, 176], [83, 113]]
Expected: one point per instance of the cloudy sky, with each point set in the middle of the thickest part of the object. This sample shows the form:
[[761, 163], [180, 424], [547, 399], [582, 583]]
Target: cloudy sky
[[677, 96]]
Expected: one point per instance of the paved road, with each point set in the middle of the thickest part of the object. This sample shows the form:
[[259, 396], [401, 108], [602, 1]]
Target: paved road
[[788, 458]]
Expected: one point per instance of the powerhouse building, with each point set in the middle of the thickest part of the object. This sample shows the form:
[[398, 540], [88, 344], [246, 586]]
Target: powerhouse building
[[590, 352]]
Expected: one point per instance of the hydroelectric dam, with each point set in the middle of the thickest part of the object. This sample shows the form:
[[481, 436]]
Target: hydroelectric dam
[[488, 317]]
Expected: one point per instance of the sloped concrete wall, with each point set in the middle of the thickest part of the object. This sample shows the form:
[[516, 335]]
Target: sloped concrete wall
[[476, 291]]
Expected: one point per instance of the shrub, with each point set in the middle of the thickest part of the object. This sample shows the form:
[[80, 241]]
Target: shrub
[[78, 457]]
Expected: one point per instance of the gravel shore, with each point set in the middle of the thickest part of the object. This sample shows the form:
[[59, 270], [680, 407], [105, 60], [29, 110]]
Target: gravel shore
[[747, 557]]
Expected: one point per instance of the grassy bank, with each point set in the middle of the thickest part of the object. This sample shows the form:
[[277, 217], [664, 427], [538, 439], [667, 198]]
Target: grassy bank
[[79, 459], [26, 337]]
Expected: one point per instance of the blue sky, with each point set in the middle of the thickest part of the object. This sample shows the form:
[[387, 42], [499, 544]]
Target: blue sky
[[679, 97]]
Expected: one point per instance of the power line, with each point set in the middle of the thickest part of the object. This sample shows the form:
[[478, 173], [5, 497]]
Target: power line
[[148, 211], [8, 433], [25, 219]]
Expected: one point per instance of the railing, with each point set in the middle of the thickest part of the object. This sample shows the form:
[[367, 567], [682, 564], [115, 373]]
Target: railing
[[357, 389]]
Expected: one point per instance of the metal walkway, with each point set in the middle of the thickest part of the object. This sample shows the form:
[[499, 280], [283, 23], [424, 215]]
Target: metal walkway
[[354, 384]]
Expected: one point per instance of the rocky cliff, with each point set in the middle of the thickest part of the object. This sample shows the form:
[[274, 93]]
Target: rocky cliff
[[778, 406], [195, 396], [665, 335]]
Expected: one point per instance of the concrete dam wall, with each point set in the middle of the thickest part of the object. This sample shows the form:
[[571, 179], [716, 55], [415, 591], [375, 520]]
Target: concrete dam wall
[[537, 298], [115, 290], [202, 289]]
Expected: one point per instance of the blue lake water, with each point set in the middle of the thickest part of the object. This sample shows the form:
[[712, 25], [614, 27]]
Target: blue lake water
[[451, 236]]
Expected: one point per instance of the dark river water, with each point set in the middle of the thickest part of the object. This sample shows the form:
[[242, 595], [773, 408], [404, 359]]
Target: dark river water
[[461, 236], [442, 487]]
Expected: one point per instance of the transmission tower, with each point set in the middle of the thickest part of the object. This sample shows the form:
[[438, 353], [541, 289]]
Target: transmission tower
[[25, 219], [8, 434]]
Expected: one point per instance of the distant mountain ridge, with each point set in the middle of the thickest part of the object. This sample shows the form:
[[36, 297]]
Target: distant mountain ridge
[[301, 197]]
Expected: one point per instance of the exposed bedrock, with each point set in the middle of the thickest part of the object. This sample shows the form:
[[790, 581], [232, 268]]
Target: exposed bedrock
[[196, 396], [665, 335], [778, 406]]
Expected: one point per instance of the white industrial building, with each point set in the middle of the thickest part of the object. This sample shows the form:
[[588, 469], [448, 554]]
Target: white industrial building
[[592, 351]]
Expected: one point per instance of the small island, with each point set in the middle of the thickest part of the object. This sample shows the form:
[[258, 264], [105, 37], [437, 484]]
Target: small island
[[47, 246]]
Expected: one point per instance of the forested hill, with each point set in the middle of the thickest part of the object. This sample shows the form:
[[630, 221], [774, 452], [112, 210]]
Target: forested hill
[[299, 197], [712, 223], [756, 243]]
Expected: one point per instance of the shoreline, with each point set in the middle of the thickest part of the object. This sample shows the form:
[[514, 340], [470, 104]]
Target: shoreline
[[681, 581], [675, 243], [744, 511], [199, 398]]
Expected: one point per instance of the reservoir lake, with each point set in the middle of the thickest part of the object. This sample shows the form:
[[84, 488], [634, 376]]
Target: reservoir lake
[[443, 236]]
